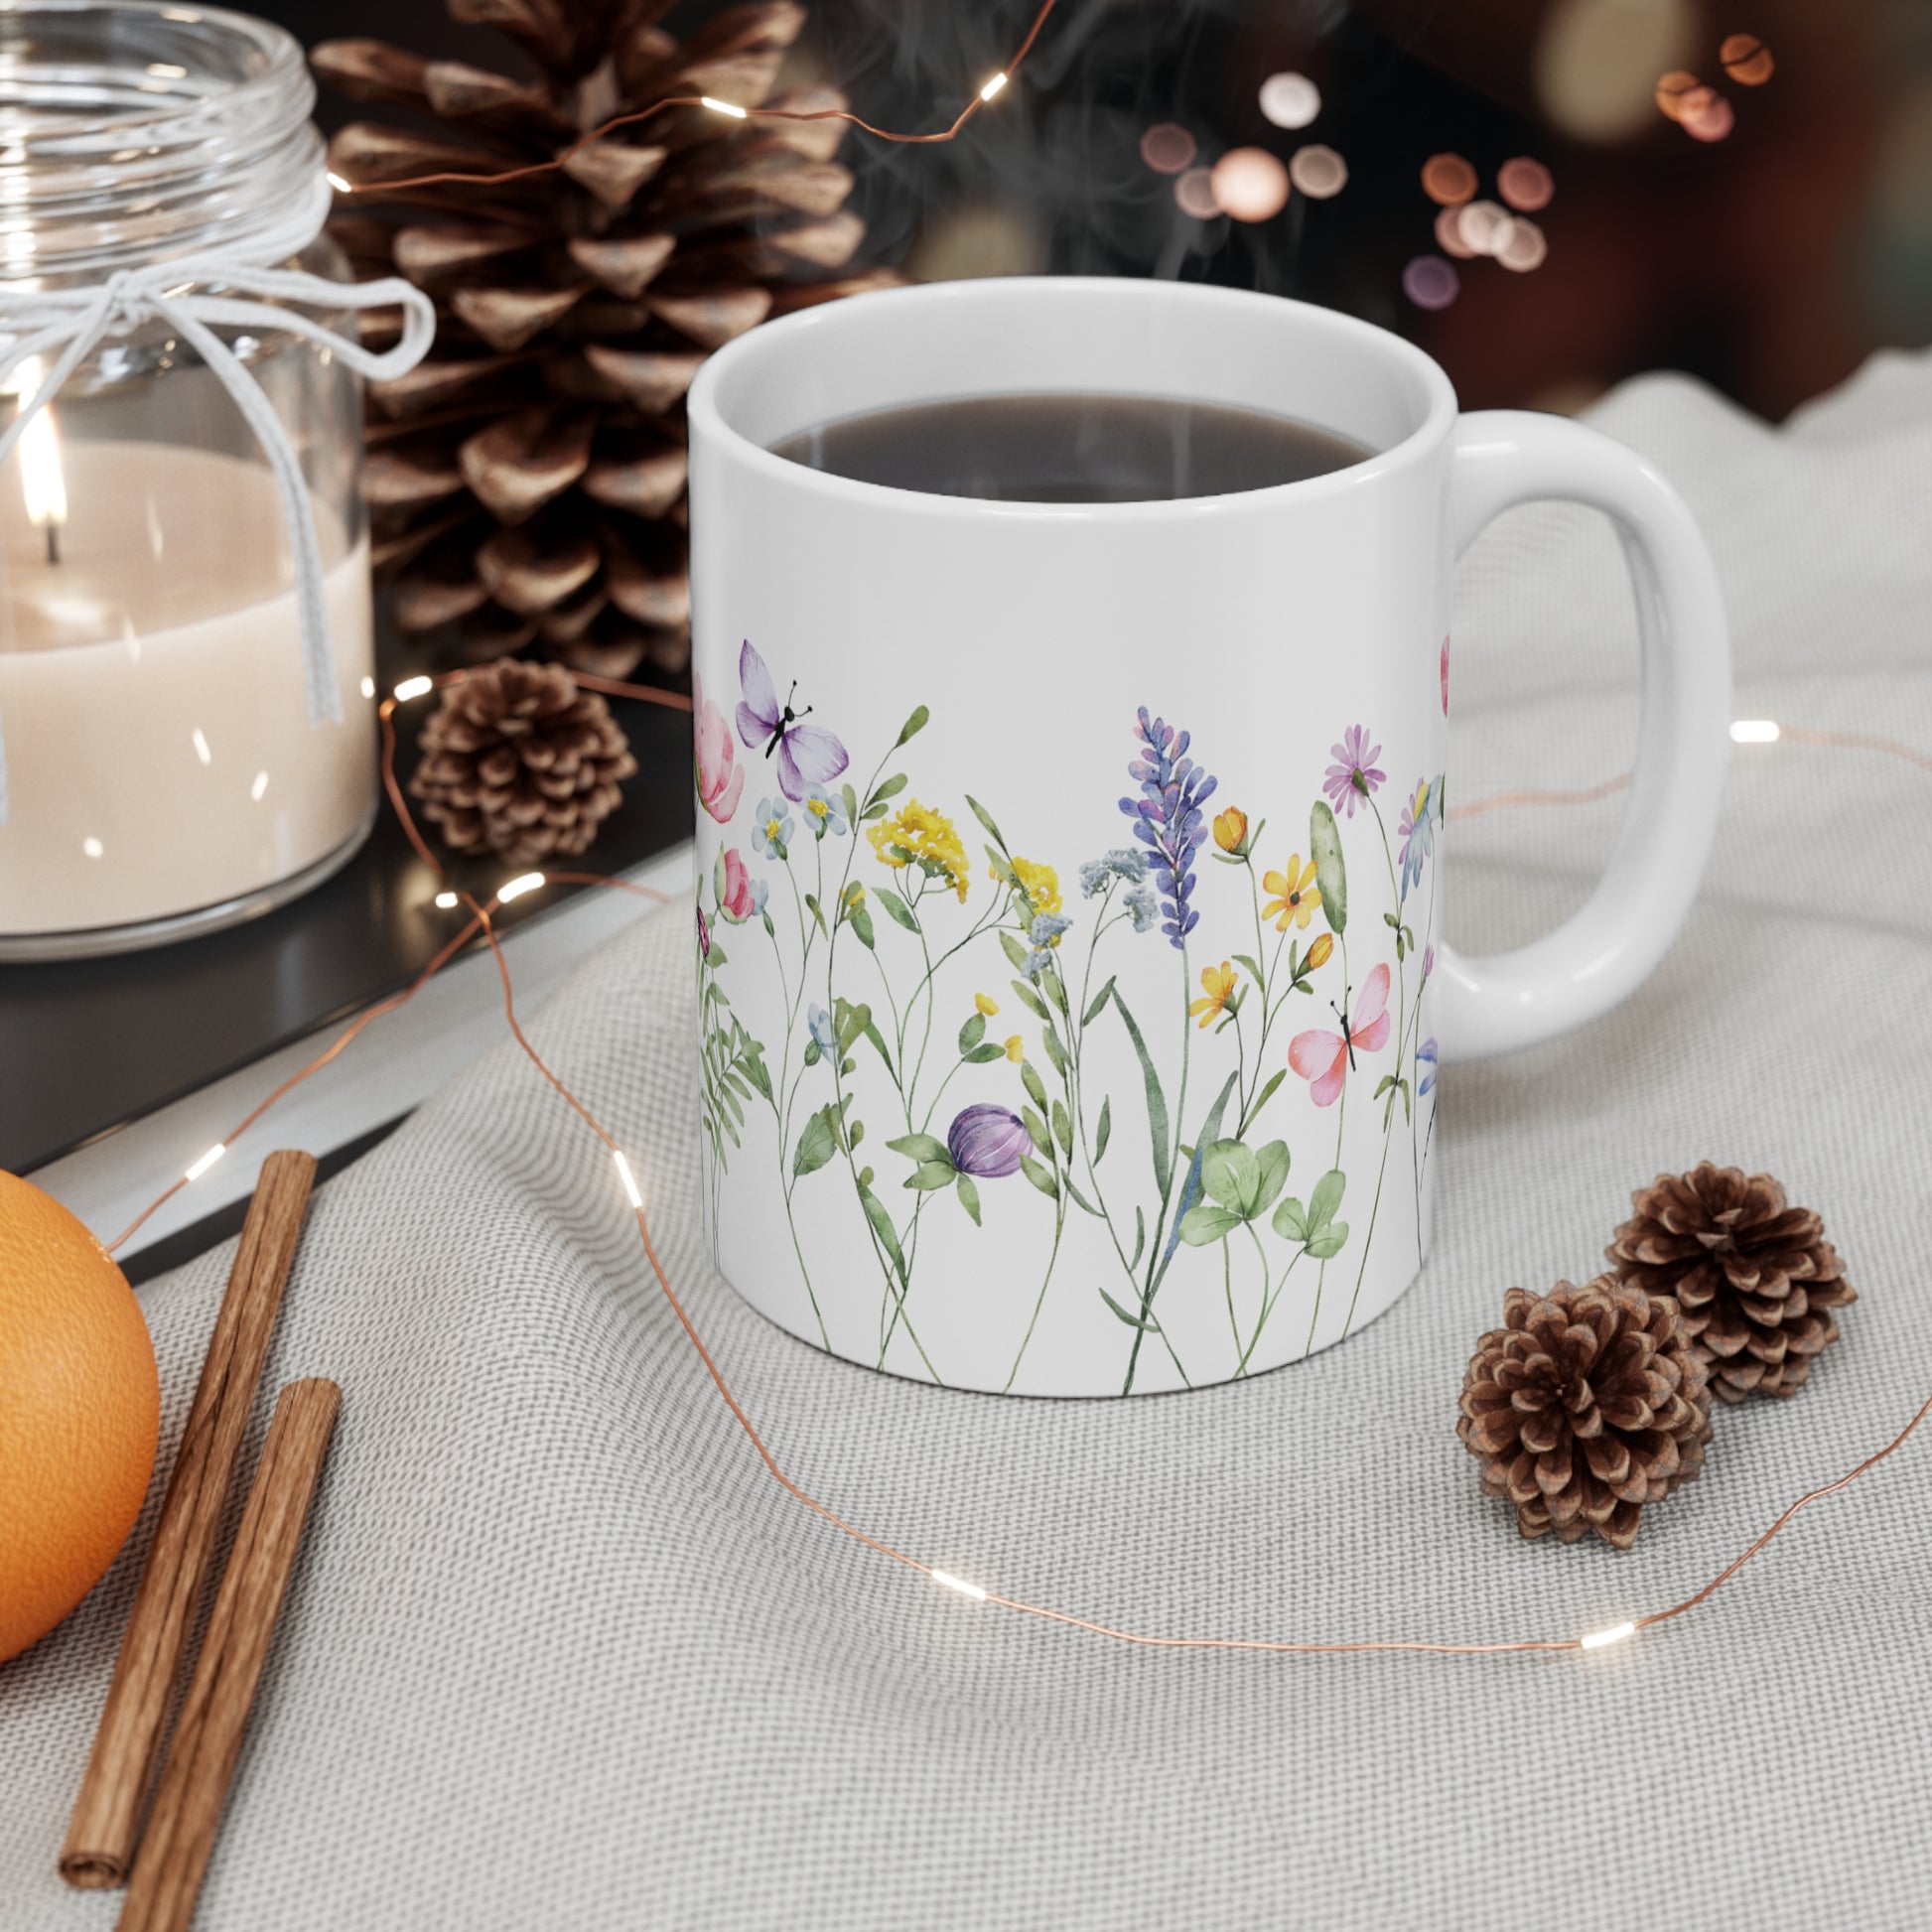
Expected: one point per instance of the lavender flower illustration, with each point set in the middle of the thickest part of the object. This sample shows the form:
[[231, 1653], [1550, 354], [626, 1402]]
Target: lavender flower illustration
[[1355, 774], [1168, 816]]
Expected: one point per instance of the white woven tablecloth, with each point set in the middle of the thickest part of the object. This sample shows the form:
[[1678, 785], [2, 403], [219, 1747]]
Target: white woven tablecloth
[[560, 1655]]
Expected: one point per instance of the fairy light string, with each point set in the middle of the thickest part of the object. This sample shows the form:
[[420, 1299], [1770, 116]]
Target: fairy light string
[[732, 111], [481, 924]]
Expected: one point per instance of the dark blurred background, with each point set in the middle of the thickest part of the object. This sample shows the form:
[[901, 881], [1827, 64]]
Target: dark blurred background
[[1766, 240]]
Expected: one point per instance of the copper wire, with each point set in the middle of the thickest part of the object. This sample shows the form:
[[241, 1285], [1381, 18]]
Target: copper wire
[[482, 922], [631, 119]]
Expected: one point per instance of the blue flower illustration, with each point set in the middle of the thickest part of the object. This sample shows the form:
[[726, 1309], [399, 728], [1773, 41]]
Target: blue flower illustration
[[1124, 862], [1416, 830], [824, 813], [1426, 1058], [772, 827], [820, 1021], [1048, 927], [1167, 817], [1143, 908]]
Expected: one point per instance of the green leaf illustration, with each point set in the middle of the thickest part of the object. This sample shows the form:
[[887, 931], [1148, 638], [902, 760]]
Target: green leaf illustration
[[861, 923], [1097, 1005], [972, 1033], [1034, 1084], [850, 1020], [1203, 1225], [811, 907], [851, 800], [1325, 843], [1273, 1162], [1105, 1128], [1156, 1104], [920, 1147], [1050, 1040], [1253, 965], [930, 1174], [1042, 1177], [1151, 1325], [882, 1225], [1328, 1243], [1326, 1199], [896, 907], [1291, 1220], [1231, 1174], [816, 1145], [985, 818], [1029, 998], [980, 1055], [886, 788], [1140, 1239], [771, 931], [1037, 1131], [1266, 1094], [913, 725], [1063, 1130], [969, 1197], [1015, 953], [1002, 872]]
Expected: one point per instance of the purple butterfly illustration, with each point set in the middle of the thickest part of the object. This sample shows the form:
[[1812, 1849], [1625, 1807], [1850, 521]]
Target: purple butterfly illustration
[[807, 756]]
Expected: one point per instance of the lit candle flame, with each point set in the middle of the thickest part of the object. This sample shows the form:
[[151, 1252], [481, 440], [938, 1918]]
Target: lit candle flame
[[41, 481]]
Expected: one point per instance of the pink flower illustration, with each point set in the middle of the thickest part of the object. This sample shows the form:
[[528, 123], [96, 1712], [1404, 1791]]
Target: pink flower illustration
[[739, 898], [719, 780], [1444, 677]]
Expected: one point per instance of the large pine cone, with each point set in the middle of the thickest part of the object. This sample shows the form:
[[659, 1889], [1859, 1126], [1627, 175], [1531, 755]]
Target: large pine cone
[[1586, 1404], [520, 763], [1756, 1279], [527, 480]]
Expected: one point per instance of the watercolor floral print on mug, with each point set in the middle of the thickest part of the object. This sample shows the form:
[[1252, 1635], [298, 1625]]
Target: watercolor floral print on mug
[[882, 1080]]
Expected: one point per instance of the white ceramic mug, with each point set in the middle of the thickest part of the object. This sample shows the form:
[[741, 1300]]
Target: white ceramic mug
[[1068, 873]]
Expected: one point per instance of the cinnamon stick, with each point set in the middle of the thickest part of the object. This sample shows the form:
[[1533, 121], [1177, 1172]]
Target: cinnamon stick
[[194, 1788], [106, 1816]]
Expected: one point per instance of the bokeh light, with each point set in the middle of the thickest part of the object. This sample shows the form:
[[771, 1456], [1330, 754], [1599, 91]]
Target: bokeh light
[[1289, 100], [1430, 283], [1194, 190], [1747, 60], [1448, 234], [1710, 118], [1447, 179], [1168, 148], [1595, 62], [1250, 184], [1485, 227], [1317, 171], [1672, 90], [1525, 183], [1525, 248]]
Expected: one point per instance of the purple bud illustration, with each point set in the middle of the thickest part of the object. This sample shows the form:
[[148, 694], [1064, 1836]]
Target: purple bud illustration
[[987, 1142]]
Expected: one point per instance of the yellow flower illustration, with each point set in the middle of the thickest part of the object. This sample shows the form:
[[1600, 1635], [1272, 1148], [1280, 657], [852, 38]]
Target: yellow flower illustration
[[1296, 893], [915, 835], [1317, 954], [1040, 884], [1217, 982], [985, 1004], [1015, 1050], [1230, 828]]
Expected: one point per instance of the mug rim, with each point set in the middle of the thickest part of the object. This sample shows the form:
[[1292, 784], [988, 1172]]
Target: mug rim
[[709, 422]]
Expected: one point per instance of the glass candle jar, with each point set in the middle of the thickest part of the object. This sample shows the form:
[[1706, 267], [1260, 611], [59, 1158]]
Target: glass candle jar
[[168, 768]]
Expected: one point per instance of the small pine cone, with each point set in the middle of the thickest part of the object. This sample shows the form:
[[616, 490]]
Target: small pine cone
[[1587, 1404], [520, 763], [1755, 1279]]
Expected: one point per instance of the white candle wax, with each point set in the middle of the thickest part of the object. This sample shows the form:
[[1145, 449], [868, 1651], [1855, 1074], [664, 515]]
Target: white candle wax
[[159, 749]]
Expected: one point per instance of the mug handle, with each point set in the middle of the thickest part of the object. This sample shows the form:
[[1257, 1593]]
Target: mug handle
[[1603, 952]]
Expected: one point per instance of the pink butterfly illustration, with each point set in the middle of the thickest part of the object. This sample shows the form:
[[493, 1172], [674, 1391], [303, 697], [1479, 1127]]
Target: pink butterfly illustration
[[1325, 1058], [807, 756]]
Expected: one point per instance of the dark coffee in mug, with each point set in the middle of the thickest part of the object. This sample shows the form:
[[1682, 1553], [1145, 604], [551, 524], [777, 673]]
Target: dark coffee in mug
[[1072, 449]]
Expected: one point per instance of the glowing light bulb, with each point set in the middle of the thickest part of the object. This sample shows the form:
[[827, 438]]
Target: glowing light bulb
[[413, 687], [525, 881], [947, 1581], [1614, 1634], [629, 1179], [335, 182], [206, 1160], [445, 900], [993, 86], [369, 687], [1754, 730], [724, 107]]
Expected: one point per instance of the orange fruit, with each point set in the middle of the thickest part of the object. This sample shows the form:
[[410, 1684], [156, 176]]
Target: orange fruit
[[79, 1413]]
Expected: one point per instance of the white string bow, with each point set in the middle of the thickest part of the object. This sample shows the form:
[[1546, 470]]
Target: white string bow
[[70, 324]]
